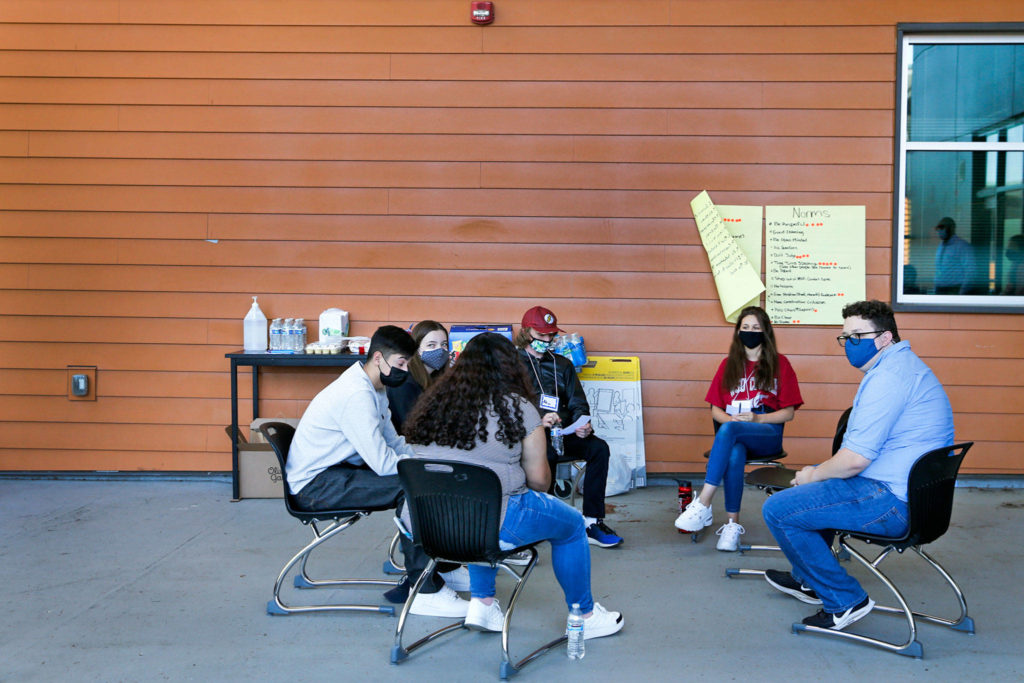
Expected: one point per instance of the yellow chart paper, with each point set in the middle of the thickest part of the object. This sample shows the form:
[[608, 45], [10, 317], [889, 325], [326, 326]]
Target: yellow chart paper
[[736, 280], [814, 262], [744, 224]]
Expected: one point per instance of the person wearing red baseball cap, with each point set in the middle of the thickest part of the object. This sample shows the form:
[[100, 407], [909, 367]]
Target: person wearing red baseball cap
[[561, 400]]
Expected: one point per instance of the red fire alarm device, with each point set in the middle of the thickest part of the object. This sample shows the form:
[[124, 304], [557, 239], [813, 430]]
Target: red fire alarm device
[[482, 12]]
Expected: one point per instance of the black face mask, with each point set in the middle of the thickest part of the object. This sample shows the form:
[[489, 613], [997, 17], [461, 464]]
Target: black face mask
[[395, 378], [751, 339]]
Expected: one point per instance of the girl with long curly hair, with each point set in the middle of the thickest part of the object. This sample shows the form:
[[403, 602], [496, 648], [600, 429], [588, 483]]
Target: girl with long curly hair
[[481, 412], [754, 393]]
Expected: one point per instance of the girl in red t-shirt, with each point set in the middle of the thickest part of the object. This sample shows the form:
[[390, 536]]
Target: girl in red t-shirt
[[752, 395]]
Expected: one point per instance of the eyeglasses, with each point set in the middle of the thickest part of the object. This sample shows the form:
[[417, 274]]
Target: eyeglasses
[[856, 337]]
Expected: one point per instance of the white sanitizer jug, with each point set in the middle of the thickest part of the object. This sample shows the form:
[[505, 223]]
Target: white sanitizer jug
[[255, 329]]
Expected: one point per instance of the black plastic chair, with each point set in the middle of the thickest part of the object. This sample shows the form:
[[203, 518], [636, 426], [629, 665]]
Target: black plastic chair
[[930, 506], [455, 510], [279, 435]]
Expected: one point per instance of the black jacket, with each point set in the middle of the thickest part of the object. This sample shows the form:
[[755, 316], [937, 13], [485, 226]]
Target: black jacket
[[572, 402], [401, 400]]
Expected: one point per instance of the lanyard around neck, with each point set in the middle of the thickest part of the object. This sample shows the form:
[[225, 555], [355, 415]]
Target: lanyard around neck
[[554, 371]]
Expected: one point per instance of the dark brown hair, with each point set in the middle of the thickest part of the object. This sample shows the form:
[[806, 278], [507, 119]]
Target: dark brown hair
[[420, 372], [454, 411], [767, 366], [878, 313]]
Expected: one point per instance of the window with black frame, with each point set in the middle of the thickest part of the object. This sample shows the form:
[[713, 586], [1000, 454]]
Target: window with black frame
[[959, 236]]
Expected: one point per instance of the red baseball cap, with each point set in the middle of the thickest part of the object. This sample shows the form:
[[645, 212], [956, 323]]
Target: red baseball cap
[[541, 319]]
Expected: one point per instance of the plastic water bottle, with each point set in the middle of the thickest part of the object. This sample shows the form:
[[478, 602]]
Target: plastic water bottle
[[255, 329], [574, 629], [286, 335], [276, 332], [556, 440], [300, 331]]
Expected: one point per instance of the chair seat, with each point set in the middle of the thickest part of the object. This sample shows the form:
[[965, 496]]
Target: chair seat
[[759, 458], [316, 515], [900, 543]]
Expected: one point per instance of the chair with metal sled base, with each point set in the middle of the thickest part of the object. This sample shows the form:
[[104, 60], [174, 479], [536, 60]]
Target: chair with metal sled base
[[930, 506], [279, 435], [455, 510]]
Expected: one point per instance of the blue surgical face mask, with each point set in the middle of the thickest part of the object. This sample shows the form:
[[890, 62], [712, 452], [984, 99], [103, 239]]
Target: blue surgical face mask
[[539, 345], [435, 359], [860, 354]]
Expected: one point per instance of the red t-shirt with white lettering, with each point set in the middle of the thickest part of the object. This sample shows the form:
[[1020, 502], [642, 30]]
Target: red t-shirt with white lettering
[[784, 393]]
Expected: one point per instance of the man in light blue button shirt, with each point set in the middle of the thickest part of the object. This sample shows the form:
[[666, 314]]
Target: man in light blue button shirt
[[900, 412]]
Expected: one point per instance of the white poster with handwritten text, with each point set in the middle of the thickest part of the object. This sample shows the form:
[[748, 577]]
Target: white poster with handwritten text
[[814, 262]]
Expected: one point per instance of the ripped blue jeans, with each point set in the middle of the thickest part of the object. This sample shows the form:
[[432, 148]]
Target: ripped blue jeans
[[534, 516]]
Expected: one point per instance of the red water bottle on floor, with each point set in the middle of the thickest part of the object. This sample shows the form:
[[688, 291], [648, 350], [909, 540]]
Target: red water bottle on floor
[[685, 498]]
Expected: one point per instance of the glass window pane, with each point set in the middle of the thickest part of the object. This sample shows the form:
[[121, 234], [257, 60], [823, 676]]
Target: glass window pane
[[963, 234], [958, 93]]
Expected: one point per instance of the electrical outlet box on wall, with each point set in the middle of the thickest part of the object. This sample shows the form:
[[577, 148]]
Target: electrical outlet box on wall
[[81, 382]]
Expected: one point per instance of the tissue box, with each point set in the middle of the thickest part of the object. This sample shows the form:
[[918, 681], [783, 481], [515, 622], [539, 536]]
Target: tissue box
[[460, 334], [333, 325]]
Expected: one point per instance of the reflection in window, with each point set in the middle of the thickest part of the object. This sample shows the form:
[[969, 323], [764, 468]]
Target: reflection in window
[[962, 165]]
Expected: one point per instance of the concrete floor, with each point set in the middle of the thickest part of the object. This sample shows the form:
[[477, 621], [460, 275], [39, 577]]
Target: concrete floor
[[159, 580]]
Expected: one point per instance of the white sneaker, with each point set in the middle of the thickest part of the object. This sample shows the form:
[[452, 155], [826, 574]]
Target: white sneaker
[[443, 603], [457, 579], [602, 623], [729, 536], [695, 517], [481, 617]]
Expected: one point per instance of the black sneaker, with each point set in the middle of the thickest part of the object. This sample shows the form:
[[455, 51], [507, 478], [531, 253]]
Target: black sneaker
[[602, 535], [400, 593], [785, 582], [838, 622]]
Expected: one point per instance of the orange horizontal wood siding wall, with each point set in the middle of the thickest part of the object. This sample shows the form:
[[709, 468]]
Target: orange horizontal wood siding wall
[[160, 162]]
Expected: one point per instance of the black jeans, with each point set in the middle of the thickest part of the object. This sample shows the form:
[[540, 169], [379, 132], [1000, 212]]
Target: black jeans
[[350, 487], [595, 452]]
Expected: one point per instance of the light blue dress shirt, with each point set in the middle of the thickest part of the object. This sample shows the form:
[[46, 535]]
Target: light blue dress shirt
[[900, 413]]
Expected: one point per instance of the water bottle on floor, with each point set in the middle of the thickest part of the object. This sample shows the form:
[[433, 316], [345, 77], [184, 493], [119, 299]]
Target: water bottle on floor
[[574, 629]]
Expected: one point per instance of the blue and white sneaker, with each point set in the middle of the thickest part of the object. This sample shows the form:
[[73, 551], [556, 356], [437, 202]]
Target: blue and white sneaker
[[600, 534]]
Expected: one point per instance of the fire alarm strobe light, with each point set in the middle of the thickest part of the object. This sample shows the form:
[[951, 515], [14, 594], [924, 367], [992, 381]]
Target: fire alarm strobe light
[[482, 12]]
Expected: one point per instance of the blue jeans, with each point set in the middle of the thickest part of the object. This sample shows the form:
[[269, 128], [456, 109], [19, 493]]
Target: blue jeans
[[802, 519], [532, 517], [735, 442]]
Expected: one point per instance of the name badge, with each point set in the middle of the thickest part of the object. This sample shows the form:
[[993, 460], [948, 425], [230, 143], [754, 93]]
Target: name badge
[[549, 402]]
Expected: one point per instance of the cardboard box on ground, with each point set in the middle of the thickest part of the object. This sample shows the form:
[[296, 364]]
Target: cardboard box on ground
[[259, 474]]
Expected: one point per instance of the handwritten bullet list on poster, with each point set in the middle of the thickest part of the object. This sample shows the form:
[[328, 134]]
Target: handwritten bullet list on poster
[[814, 258], [730, 254]]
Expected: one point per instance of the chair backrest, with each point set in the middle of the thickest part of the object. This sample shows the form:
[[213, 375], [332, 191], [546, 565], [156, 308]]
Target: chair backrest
[[930, 492], [279, 435], [837, 440], [455, 508]]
